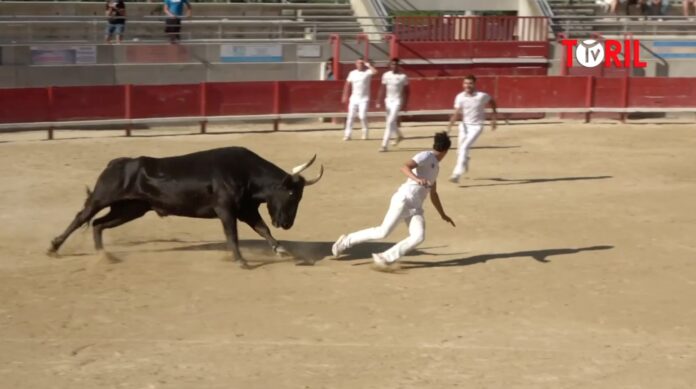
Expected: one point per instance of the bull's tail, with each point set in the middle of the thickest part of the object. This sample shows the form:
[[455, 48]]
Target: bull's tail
[[87, 200], [89, 195]]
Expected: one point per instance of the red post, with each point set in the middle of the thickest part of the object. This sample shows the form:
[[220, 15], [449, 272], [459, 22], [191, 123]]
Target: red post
[[49, 91], [335, 40], [204, 106], [276, 104], [624, 96], [128, 111], [366, 50], [589, 92], [564, 69], [393, 45]]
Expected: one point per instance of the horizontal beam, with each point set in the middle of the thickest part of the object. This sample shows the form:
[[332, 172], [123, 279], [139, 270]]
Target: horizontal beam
[[214, 119]]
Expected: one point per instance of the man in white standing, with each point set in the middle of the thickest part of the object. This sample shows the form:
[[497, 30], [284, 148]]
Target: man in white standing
[[406, 204], [358, 82], [395, 83], [471, 106]]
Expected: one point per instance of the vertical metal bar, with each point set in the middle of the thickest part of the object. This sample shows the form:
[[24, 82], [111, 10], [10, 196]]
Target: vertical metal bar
[[276, 104], [204, 107], [624, 92], [128, 112], [51, 112], [589, 94]]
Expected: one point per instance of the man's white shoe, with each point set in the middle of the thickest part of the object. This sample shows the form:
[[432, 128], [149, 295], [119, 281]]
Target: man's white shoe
[[381, 264], [338, 247], [382, 149], [379, 260], [346, 138], [398, 140], [364, 135], [454, 179]]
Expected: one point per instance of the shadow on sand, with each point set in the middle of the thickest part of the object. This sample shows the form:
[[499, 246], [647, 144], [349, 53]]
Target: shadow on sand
[[537, 255], [524, 181]]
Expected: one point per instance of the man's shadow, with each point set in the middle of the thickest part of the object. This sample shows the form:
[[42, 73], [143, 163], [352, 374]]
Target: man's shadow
[[524, 181], [537, 255]]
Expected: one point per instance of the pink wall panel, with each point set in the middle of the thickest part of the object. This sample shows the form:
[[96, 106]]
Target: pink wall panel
[[91, 102], [24, 105], [148, 101], [239, 98]]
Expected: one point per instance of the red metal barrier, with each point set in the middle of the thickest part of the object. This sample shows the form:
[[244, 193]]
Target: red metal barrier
[[240, 98], [662, 92], [149, 101], [530, 92], [35, 105], [24, 105], [88, 103], [469, 49], [311, 96]]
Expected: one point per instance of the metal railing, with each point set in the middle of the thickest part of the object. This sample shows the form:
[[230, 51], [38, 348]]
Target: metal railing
[[481, 28]]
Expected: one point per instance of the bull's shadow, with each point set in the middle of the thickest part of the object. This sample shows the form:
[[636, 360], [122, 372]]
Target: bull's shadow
[[304, 251], [524, 181], [540, 256]]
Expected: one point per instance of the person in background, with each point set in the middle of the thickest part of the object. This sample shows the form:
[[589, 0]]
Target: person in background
[[116, 12], [174, 9]]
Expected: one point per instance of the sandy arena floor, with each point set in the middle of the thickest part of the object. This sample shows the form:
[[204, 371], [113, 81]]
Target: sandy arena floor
[[573, 265]]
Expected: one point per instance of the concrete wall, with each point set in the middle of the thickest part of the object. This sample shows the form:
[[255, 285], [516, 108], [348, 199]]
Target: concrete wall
[[124, 64]]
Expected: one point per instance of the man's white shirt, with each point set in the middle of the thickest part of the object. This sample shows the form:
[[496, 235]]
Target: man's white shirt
[[428, 168], [360, 82], [394, 84], [472, 107]]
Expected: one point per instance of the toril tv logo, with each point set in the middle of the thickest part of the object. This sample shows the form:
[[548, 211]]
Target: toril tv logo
[[591, 53]]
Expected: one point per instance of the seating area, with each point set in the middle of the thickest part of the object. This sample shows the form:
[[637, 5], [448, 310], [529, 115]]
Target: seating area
[[581, 18], [31, 22]]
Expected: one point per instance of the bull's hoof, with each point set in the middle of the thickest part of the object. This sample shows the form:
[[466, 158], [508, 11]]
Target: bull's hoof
[[282, 252], [244, 265], [52, 252]]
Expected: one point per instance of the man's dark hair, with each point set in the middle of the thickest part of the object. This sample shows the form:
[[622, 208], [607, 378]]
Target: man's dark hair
[[470, 77], [442, 141], [395, 60]]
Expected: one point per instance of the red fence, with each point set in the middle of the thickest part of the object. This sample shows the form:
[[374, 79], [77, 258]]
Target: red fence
[[55, 104], [474, 28]]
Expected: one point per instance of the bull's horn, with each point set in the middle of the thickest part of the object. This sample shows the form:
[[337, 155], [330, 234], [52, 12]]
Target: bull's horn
[[301, 168], [315, 180]]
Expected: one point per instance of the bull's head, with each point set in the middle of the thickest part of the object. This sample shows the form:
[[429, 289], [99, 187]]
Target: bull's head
[[284, 200]]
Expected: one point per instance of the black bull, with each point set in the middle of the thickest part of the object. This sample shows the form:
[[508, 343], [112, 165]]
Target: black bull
[[226, 183]]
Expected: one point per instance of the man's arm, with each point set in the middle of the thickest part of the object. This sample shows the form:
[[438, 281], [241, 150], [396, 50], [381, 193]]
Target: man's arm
[[188, 9], [494, 119], [167, 11], [407, 170], [346, 89], [435, 198], [372, 69]]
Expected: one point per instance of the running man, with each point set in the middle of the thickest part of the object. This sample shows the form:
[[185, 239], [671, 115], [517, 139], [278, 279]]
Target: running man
[[471, 106], [406, 204], [395, 84], [358, 82]]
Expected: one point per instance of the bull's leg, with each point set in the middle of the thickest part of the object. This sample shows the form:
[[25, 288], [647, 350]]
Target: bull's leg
[[229, 223], [254, 220], [120, 213], [82, 217]]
